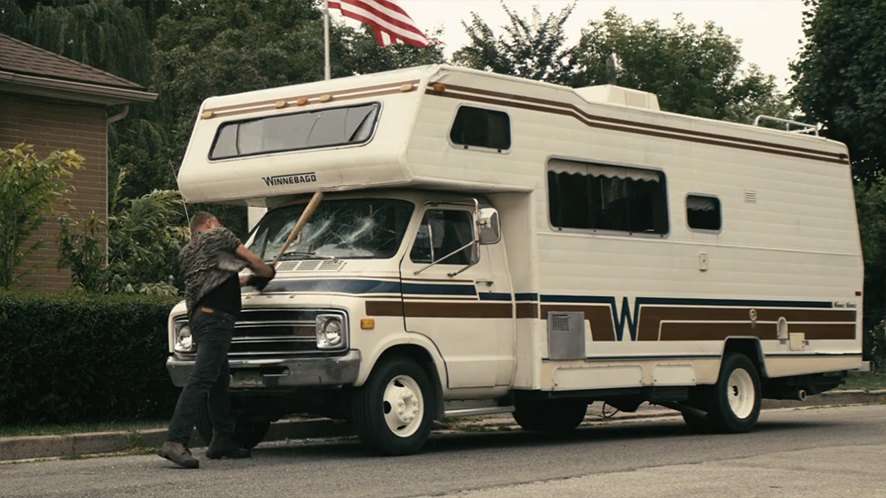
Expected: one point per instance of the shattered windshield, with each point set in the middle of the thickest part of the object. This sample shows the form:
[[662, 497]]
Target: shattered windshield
[[351, 228]]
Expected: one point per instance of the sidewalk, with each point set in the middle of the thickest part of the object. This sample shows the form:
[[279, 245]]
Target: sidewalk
[[31, 447]]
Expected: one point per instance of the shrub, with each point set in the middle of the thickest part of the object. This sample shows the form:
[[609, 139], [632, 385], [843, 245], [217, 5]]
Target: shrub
[[83, 357]]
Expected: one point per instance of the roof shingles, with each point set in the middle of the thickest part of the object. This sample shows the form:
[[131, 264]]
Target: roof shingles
[[19, 57]]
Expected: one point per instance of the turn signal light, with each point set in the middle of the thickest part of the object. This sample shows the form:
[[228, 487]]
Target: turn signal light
[[367, 323]]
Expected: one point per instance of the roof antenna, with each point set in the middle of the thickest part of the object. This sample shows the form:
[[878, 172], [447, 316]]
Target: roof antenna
[[612, 67]]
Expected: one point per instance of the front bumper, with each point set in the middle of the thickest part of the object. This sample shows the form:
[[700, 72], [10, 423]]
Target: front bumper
[[279, 373]]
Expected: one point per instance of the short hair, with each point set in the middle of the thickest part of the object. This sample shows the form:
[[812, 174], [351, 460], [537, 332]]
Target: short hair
[[199, 218]]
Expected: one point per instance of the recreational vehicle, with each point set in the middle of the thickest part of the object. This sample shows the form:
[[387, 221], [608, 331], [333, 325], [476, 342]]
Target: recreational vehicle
[[491, 244]]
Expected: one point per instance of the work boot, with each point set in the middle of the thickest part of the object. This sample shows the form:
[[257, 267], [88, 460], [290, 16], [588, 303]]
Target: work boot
[[222, 446], [177, 453]]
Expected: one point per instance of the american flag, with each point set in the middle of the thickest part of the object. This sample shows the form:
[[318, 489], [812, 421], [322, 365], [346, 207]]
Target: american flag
[[389, 21]]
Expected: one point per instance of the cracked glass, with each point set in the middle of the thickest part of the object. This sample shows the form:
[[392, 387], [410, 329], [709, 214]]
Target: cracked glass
[[340, 229]]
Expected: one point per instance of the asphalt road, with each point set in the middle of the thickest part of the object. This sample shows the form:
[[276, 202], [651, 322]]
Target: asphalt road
[[835, 451]]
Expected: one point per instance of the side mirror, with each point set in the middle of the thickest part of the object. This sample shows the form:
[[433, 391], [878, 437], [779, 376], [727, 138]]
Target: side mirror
[[488, 226]]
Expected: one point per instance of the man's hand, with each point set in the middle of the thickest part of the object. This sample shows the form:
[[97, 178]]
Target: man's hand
[[263, 272]]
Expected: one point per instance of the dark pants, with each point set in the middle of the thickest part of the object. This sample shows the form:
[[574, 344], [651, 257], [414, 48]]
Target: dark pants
[[210, 379]]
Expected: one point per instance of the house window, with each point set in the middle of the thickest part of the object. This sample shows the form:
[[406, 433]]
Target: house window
[[288, 132], [703, 212], [445, 237], [601, 197], [477, 127]]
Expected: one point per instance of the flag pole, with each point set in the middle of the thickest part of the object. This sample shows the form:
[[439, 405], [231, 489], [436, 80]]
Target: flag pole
[[327, 70]]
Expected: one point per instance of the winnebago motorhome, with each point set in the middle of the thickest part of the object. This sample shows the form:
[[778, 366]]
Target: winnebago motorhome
[[491, 244]]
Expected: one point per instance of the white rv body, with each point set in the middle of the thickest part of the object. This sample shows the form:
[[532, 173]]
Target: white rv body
[[777, 278]]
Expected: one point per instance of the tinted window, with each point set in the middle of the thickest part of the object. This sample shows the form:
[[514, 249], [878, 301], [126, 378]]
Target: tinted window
[[481, 128], [441, 234], [600, 197], [304, 130], [703, 212]]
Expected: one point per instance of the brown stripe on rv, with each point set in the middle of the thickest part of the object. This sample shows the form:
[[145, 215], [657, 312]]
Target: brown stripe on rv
[[651, 316], [642, 129], [527, 310], [840, 157], [451, 309]]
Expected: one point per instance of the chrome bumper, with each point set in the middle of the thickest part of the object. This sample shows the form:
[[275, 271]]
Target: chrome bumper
[[271, 373]]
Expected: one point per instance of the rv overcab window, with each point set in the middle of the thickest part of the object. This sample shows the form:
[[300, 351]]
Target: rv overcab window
[[475, 127], [601, 197], [703, 212], [288, 132]]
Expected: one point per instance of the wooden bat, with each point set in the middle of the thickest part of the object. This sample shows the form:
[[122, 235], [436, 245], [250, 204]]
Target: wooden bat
[[302, 221]]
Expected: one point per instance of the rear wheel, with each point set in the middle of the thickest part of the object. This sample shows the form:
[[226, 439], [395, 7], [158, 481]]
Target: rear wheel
[[392, 413], [552, 415], [735, 404]]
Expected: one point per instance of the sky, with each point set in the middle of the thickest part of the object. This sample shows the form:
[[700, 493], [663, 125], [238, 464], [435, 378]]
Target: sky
[[770, 30]]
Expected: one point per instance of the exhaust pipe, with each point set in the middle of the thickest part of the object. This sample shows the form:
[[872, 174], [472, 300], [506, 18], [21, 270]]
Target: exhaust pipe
[[791, 394]]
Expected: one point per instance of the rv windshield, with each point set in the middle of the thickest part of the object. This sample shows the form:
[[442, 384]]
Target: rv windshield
[[351, 228]]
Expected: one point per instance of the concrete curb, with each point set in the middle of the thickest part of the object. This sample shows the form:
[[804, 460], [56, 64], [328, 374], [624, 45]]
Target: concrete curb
[[35, 447]]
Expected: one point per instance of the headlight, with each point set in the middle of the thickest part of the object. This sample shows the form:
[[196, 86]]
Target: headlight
[[183, 341], [330, 331]]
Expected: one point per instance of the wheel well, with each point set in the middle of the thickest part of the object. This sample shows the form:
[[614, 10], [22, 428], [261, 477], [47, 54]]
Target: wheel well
[[749, 348], [421, 356]]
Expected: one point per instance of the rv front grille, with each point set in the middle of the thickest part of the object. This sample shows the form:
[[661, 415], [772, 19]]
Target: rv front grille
[[279, 333]]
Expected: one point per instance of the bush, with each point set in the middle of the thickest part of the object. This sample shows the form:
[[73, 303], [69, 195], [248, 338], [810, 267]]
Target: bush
[[79, 357]]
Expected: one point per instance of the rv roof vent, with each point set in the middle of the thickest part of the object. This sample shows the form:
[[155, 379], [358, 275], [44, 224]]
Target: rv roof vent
[[612, 94]]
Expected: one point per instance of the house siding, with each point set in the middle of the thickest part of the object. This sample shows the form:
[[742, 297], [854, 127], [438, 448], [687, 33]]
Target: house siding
[[50, 125]]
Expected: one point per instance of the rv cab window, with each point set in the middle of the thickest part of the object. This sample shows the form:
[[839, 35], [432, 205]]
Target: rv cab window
[[475, 127], [441, 233]]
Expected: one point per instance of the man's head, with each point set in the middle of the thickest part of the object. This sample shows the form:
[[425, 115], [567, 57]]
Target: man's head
[[203, 221]]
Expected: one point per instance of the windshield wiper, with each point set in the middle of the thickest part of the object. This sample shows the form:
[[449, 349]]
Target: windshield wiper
[[304, 255]]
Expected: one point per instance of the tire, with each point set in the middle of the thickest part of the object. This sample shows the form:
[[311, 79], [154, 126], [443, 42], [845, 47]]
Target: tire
[[393, 412], [248, 431], [735, 404], [552, 416]]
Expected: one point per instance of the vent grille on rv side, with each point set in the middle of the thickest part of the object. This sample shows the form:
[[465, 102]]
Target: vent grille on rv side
[[750, 196], [566, 335]]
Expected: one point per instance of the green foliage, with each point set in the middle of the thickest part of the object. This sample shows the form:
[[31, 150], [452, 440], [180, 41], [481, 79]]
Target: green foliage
[[870, 202], [30, 189], [692, 72], [144, 236], [696, 72], [840, 77], [532, 49], [81, 357]]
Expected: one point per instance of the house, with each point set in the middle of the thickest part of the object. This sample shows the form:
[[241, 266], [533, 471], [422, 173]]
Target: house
[[53, 102]]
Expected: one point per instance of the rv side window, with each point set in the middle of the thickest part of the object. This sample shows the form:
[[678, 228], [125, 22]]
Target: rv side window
[[703, 212], [303, 130], [442, 232], [601, 197], [481, 128]]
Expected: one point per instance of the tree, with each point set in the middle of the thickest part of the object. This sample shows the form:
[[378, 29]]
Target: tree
[[692, 72], [840, 77], [532, 48], [30, 189]]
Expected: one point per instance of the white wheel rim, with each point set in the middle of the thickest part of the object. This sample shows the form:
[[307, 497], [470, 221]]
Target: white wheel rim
[[740, 393], [403, 406]]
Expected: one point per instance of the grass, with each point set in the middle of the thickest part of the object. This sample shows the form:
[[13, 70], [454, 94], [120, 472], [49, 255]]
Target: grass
[[76, 428], [866, 381]]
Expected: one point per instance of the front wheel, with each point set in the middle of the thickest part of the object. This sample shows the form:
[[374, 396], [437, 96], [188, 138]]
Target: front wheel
[[735, 406], [392, 413]]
